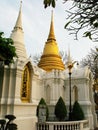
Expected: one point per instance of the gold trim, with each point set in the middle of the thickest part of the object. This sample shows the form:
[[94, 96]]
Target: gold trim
[[25, 88]]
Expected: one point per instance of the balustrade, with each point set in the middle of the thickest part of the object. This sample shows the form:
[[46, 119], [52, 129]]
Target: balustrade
[[72, 125]]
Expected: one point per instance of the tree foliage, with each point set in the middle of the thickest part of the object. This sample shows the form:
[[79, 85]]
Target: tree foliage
[[60, 109], [77, 112], [91, 60], [82, 15], [36, 58], [42, 102], [7, 49], [8, 125], [49, 3]]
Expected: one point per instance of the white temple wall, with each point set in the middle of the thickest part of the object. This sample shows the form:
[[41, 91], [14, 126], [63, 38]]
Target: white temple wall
[[25, 116], [37, 90], [55, 88], [25, 123]]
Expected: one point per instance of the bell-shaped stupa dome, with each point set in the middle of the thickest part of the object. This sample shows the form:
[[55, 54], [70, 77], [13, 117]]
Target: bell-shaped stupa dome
[[51, 58]]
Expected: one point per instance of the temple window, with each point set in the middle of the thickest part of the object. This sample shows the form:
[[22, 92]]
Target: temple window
[[25, 89]]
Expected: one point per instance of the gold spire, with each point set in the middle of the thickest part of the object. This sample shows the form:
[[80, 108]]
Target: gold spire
[[51, 33], [51, 58]]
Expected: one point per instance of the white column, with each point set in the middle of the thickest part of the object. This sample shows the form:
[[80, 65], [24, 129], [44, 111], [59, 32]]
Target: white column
[[18, 86], [11, 93], [5, 89]]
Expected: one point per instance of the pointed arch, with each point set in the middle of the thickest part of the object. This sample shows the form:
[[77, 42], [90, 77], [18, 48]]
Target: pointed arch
[[26, 83], [48, 94], [75, 91], [63, 92]]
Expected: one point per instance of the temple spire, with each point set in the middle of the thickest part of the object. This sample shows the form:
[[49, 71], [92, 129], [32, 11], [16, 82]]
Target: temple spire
[[51, 35], [70, 62], [18, 24], [51, 58], [18, 36]]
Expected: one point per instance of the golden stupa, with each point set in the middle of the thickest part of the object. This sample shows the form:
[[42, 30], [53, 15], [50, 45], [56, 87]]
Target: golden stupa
[[51, 58]]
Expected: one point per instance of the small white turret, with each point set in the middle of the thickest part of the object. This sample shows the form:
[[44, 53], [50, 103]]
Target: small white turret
[[18, 36]]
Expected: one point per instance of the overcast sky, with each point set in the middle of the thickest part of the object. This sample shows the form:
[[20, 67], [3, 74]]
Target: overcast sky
[[36, 25]]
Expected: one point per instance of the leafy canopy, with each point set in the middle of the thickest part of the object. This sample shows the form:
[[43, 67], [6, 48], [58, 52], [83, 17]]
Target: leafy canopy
[[60, 109], [49, 3], [77, 112], [82, 15], [42, 102], [7, 50]]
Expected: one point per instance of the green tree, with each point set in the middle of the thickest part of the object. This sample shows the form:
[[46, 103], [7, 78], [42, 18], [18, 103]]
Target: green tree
[[8, 125], [77, 112], [82, 15], [49, 3], [42, 102], [7, 49], [60, 109]]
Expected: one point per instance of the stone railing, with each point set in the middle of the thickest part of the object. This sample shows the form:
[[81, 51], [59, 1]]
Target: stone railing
[[72, 125]]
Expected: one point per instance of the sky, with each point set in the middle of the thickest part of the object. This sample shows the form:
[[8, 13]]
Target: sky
[[36, 24]]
